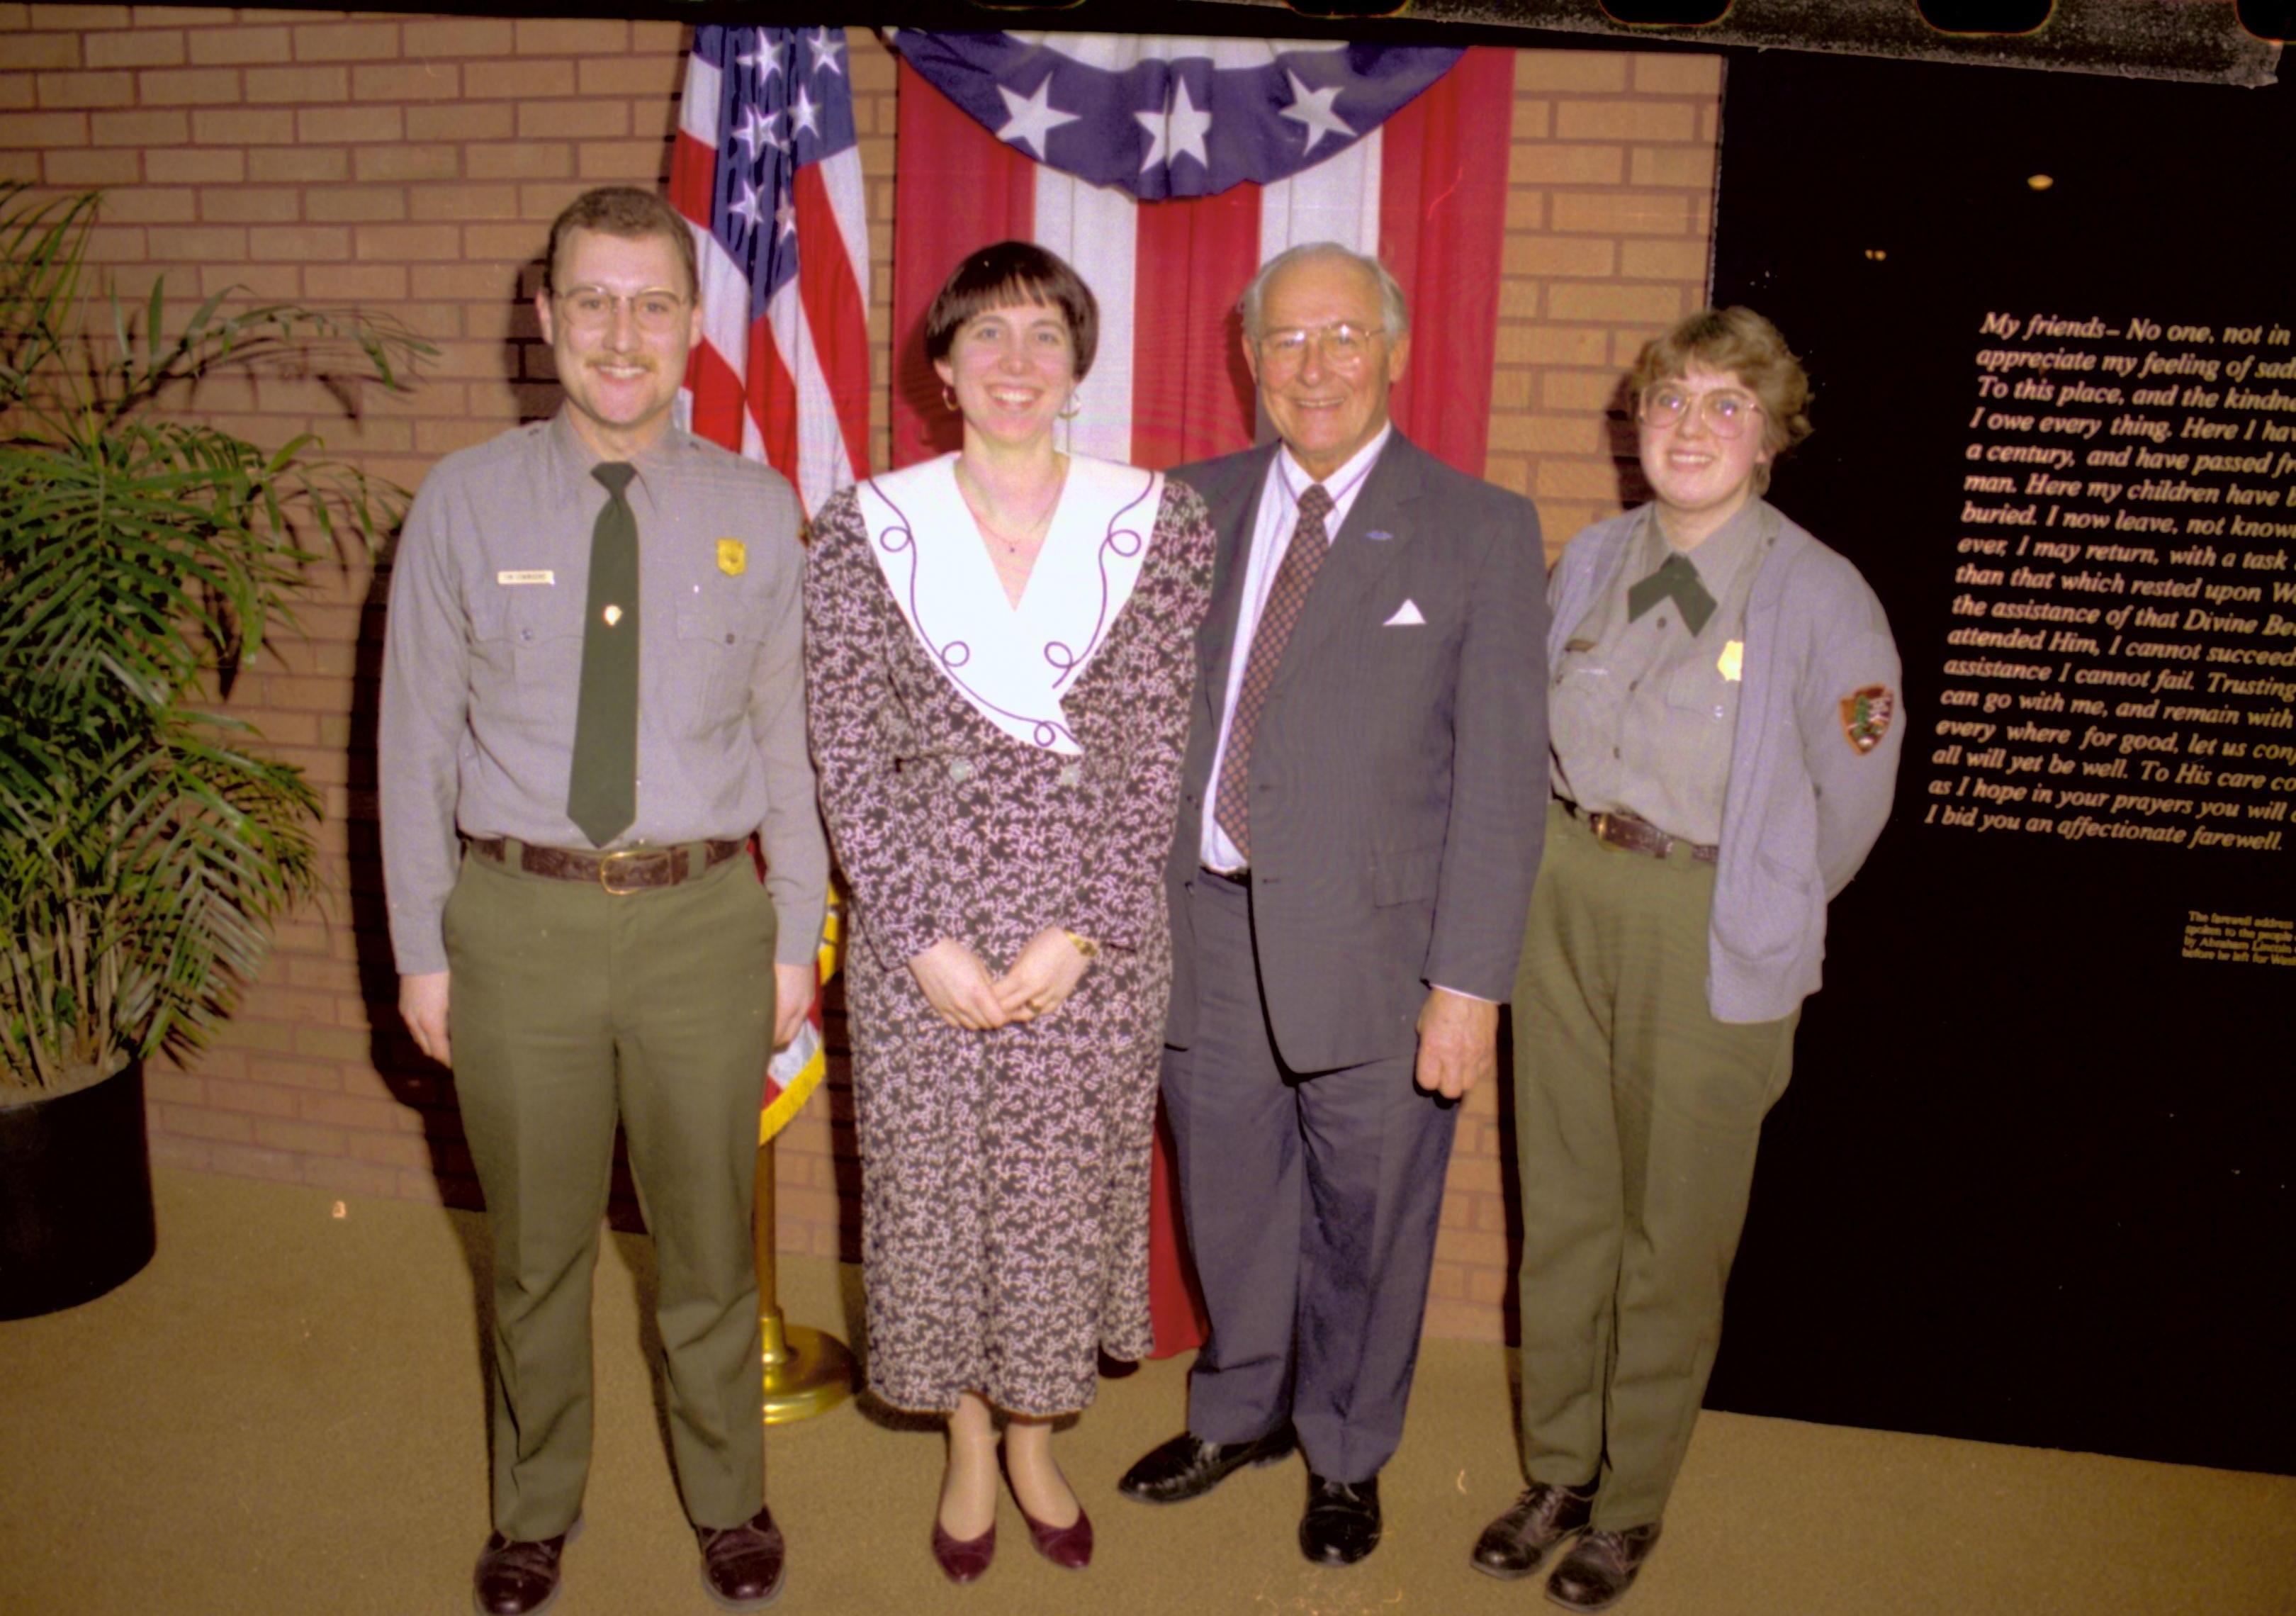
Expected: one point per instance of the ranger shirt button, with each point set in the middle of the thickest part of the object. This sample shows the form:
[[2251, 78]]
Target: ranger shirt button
[[1070, 773], [959, 769]]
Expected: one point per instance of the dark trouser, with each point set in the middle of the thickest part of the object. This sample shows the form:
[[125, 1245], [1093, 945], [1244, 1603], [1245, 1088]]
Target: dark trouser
[[1636, 1116], [1311, 1202], [570, 1007]]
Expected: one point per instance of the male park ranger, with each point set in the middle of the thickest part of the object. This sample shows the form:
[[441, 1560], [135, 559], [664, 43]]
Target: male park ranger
[[593, 685]]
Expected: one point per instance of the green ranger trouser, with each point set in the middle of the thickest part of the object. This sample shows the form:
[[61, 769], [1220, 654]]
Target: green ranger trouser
[[570, 1007], [1636, 1115]]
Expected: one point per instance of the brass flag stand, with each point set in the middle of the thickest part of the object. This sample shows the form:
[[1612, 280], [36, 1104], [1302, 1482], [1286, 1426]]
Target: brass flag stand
[[808, 1370]]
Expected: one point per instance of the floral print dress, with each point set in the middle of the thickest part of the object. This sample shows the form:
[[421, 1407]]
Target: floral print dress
[[1005, 1173]]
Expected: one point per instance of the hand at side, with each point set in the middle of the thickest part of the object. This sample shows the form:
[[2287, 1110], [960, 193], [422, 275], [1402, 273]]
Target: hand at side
[[1459, 1043]]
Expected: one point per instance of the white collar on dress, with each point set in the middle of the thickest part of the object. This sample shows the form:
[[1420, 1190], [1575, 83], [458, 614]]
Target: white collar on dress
[[1012, 662]]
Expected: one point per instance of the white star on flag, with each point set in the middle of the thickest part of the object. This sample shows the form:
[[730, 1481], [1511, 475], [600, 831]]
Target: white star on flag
[[825, 52], [1185, 126], [786, 218], [804, 115], [747, 208], [765, 60], [757, 130], [1311, 110], [1034, 117]]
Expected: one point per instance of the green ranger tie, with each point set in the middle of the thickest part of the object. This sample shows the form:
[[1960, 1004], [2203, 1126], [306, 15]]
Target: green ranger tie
[[1678, 579], [602, 793]]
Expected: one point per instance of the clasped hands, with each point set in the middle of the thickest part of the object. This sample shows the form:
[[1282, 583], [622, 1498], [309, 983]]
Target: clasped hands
[[962, 992]]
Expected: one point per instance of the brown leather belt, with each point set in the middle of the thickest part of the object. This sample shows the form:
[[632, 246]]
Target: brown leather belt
[[621, 872], [1639, 835]]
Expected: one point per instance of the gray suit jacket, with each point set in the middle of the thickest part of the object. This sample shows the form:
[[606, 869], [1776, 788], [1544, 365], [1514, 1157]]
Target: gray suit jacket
[[1399, 771]]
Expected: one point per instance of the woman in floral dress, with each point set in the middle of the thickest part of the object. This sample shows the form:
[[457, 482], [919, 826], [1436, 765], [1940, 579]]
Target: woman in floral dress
[[1001, 657]]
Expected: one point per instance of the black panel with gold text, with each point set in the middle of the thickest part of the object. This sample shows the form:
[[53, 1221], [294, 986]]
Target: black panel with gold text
[[2035, 1179]]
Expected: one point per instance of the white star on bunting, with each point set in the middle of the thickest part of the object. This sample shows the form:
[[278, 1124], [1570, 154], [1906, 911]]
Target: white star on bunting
[[1034, 117], [1182, 124], [1311, 110]]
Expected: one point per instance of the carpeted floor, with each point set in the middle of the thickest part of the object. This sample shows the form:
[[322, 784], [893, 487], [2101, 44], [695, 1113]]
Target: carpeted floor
[[285, 1413]]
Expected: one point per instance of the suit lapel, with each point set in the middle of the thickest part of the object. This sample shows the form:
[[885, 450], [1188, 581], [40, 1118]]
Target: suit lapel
[[1357, 562]]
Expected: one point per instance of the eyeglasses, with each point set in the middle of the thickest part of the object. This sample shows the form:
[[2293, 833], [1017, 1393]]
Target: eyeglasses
[[655, 310], [1341, 345], [1725, 412]]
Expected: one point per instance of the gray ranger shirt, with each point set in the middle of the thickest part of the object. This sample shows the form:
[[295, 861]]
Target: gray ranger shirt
[[483, 664], [1643, 713]]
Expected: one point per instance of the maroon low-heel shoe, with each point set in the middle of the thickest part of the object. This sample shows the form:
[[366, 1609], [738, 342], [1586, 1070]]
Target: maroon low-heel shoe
[[963, 1558], [1070, 1546]]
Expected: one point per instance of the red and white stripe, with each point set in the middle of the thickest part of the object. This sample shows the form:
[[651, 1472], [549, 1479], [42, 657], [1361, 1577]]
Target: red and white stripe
[[1168, 384], [792, 388]]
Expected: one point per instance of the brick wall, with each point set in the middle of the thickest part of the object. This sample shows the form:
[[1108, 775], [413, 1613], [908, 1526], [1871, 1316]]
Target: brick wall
[[408, 167]]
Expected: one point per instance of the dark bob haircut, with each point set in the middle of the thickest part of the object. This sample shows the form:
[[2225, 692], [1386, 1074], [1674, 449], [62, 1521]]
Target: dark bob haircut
[[1008, 274]]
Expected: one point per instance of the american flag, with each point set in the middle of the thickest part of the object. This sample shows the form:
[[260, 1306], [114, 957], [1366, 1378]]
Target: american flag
[[767, 172]]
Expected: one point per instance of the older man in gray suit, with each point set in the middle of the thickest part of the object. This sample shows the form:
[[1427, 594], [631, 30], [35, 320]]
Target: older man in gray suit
[[1359, 827]]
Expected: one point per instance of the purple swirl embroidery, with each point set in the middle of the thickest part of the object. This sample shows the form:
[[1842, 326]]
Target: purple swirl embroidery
[[1127, 541]]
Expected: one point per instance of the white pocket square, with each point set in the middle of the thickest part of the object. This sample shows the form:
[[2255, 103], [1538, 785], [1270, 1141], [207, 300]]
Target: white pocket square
[[1405, 616]]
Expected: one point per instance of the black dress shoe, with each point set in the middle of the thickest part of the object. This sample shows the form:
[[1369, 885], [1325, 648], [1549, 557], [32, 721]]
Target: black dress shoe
[[1188, 1467], [1342, 1524], [1513, 1545], [1601, 1567], [516, 1575], [741, 1565]]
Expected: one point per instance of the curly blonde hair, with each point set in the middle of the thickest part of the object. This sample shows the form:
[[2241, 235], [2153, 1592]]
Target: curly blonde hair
[[1736, 341]]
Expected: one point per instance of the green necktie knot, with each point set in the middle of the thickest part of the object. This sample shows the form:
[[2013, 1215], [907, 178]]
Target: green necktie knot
[[602, 781], [1676, 580]]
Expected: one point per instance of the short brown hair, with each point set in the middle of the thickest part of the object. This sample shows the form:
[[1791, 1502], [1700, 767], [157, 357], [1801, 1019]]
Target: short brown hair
[[1739, 342], [1007, 273], [630, 213]]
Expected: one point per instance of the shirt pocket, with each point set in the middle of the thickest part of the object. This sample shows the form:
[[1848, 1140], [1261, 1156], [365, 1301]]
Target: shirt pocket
[[717, 649], [544, 629], [1695, 692]]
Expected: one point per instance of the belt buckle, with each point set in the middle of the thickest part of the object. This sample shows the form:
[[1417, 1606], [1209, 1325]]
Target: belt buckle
[[609, 864]]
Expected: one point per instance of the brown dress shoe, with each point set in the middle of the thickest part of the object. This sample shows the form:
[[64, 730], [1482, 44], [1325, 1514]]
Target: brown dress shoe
[[1601, 1567], [1513, 1545], [741, 1565], [518, 1577]]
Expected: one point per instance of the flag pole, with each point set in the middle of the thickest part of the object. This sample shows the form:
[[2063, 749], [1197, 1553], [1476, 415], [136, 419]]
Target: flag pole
[[806, 1371]]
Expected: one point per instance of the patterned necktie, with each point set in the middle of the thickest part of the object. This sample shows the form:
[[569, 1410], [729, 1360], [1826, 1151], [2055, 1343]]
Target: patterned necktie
[[1303, 558], [602, 793], [1676, 580]]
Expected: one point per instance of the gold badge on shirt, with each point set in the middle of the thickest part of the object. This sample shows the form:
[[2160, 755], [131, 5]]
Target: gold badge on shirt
[[733, 557], [1732, 663]]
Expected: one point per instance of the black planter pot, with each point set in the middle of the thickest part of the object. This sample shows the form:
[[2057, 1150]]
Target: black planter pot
[[75, 1196]]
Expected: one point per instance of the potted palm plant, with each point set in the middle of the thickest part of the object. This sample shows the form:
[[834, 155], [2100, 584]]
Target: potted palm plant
[[146, 843]]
